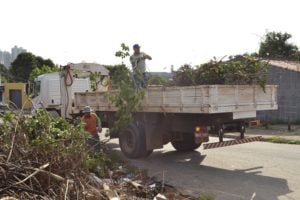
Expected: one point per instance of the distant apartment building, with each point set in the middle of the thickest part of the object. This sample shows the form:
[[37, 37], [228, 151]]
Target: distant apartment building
[[6, 58], [15, 51]]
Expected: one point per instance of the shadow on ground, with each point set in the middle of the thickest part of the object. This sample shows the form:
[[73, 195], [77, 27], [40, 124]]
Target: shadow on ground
[[186, 173]]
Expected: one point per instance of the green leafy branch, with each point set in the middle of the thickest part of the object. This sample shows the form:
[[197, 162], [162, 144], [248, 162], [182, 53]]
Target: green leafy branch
[[237, 70], [128, 98]]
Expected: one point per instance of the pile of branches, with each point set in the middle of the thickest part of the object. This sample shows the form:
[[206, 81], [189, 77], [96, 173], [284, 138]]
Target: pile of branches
[[42, 157], [237, 70]]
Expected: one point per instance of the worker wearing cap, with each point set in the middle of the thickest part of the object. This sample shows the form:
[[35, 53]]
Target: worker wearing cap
[[137, 60], [92, 126]]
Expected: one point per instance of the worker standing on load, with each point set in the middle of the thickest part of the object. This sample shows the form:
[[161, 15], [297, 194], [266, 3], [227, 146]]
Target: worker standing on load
[[92, 126], [137, 60]]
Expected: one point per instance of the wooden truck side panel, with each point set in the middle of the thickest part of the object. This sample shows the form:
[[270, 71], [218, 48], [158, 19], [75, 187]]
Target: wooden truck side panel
[[206, 99]]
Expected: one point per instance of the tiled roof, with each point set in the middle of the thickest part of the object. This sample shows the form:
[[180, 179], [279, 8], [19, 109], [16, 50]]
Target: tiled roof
[[290, 65]]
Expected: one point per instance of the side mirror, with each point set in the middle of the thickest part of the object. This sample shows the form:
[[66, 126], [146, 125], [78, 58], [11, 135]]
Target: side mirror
[[29, 89]]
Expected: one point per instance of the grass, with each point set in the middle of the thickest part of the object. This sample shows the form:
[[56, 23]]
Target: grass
[[281, 140]]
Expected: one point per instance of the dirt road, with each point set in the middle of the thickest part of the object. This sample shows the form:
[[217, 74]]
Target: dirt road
[[257, 170]]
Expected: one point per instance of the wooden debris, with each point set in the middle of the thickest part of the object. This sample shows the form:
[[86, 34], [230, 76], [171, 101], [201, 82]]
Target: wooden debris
[[111, 194]]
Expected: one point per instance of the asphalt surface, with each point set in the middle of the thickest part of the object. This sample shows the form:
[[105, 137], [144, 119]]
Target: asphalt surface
[[257, 170]]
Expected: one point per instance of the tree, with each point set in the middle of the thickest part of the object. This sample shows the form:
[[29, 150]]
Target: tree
[[22, 66], [3, 73], [184, 76], [44, 62], [25, 63], [42, 70], [276, 46], [157, 80]]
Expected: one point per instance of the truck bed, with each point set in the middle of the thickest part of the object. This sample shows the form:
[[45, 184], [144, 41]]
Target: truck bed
[[241, 100]]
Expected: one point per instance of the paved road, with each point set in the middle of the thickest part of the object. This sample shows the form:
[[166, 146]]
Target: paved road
[[259, 169]]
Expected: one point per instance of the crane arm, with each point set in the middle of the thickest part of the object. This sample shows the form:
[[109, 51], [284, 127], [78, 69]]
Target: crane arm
[[80, 70], [89, 67]]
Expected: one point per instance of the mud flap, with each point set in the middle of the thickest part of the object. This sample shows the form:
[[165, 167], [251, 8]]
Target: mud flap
[[231, 142], [201, 137]]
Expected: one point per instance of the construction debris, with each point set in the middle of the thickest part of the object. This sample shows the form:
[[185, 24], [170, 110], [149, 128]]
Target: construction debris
[[111, 194]]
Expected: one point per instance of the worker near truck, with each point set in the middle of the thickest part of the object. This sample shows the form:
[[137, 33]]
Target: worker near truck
[[138, 62], [92, 125]]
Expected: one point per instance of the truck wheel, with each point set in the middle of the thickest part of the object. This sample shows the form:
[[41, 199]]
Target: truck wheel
[[133, 142], [147, 153], [187, 143]]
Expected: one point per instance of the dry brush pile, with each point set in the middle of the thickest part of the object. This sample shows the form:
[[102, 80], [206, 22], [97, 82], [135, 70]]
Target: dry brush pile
[[42, 158]]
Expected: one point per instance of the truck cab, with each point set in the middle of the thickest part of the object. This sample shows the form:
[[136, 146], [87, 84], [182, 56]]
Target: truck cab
[[47, 90]]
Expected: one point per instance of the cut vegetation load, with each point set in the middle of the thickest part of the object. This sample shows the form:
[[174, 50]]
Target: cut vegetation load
[[237, 70]]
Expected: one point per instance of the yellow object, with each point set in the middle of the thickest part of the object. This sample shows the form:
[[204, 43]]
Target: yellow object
[[14, 94], [197, 129]]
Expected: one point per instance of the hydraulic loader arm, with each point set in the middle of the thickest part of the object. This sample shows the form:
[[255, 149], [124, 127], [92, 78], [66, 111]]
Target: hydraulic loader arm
[[89, 67], [80, 70]]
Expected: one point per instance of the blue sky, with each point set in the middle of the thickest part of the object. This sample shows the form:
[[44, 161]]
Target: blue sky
[[173, 32]]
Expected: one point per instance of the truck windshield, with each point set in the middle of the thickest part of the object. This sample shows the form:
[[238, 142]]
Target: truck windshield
[[37, 88]]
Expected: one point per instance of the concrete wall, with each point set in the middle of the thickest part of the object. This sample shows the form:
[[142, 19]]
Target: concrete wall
[[288, 98], [26, 103]]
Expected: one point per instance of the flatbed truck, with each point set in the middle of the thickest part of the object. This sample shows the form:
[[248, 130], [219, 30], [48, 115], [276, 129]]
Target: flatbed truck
[[183, 116]]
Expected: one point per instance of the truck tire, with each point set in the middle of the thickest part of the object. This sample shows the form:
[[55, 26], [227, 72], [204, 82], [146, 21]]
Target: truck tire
[[187, 143], [133, 142]]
